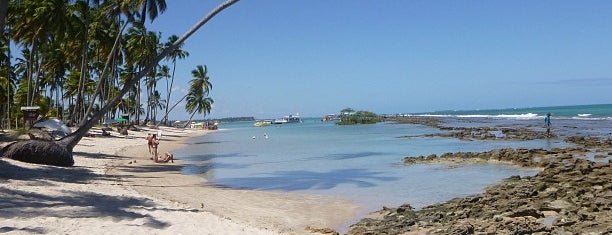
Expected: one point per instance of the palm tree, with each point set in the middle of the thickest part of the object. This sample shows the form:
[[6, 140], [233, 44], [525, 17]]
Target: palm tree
[[152, 7], [157, 104], [197, 100], [35, 21], [196, 103], [151, 83], [177, 53], [60, 152], [201, 82], [140, 49]]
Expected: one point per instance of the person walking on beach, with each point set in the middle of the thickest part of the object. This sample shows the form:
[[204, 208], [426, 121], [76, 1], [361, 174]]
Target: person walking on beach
[[547, 124], [149, 142], [154, 144]]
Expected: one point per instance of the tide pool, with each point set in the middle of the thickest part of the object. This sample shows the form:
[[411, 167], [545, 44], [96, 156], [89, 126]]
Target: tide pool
[[362, 163]]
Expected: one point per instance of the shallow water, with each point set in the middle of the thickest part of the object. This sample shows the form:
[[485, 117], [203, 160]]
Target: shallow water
[[361, 163]]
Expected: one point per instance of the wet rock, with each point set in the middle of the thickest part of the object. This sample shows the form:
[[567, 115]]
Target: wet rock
[[599, 156], [570, 195], [526, 212], [327, 231]]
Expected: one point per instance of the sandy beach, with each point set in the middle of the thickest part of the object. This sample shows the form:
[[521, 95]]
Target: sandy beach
[[115, 189]]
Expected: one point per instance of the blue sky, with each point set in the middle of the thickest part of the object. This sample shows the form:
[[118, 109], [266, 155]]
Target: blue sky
[[272, 58]]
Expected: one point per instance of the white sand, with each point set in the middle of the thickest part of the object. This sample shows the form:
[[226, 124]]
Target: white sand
[[115, 189]]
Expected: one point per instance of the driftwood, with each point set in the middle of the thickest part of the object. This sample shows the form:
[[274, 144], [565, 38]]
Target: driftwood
[[39, 152]]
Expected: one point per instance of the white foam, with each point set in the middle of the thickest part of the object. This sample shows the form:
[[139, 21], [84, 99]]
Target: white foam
[[584, 115], [519, 116], [506, 116], [474, 116], [433, 115], [592, 118]]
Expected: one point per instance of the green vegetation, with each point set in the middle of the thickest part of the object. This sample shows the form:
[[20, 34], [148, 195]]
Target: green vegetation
[[349, 117], [74, 58], [85, 61]]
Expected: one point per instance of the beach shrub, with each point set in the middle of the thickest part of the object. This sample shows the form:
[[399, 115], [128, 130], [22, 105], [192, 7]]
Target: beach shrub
[[359, 117]]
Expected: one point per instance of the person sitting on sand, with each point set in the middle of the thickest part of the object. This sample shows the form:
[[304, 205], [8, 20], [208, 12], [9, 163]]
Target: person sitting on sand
[[168, 157], [105, 133], [154, 144]]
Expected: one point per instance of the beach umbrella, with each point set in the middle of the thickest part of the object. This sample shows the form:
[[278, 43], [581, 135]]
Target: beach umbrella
[[53, 124]]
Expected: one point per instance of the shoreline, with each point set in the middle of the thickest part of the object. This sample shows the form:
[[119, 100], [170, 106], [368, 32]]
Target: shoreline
[[287, 213], [570, 194], [115, 188]]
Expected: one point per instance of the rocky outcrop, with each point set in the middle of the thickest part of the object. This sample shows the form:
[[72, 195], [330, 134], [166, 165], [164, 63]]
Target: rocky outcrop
[[569, 195], [426, 121], [521, 157], [472, 133], [490, 133]]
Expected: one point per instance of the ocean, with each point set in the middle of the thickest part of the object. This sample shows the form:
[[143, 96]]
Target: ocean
[[363, 163], [580, 112]]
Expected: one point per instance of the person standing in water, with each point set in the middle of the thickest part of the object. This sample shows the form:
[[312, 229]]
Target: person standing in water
[[547, 124]]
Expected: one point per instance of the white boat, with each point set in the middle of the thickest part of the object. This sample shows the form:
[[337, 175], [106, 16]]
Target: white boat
[[287, 119]]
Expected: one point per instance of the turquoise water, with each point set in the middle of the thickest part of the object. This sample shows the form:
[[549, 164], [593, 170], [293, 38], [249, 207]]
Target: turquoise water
[[359, 163], [596, 111], [363, 163]]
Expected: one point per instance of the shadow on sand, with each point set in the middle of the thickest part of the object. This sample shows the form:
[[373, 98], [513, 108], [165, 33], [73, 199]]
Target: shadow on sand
[[305, 180], [26, 203]]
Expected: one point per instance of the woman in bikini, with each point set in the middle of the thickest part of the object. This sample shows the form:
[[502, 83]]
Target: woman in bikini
[[154, 142], [168, 157]]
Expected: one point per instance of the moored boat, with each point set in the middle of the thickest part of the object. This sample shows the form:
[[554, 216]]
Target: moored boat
[[262, 123], [287, 119]]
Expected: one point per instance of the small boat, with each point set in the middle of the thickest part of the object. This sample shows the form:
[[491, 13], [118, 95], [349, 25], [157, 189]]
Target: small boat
[[330, 117], [262, 123], [287, 119]]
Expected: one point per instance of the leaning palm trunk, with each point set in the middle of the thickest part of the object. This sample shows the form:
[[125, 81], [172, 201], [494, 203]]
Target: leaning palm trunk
[[60, 152], [168, 112], [104, 72], [165, 119], [190, 118]]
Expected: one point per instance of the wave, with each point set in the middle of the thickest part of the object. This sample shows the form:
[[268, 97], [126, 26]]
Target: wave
[[502, 116], [584, 115], [592, 118]]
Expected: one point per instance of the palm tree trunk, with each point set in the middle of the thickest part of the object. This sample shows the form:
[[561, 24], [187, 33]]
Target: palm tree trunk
[[137, 103], [8, 76], [3, 11], [169, 91], [77, 104], [30, 72], [36, 88], [190, 118], [175, 104], [104, 72]]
